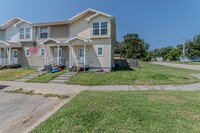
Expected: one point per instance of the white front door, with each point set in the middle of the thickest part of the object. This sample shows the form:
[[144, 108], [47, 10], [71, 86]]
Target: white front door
[[14, 56], [56, 52], [56, 56], [81, 55]]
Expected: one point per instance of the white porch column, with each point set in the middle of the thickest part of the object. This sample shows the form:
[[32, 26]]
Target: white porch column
[[45, 55], [58, 56], [9, 56], [70, 55], [84, 56]]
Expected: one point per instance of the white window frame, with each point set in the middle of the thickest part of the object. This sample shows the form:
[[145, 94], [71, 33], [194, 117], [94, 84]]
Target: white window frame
[[25, 33], [100, 28], [44, 32], [40, 51], [21, 33], [102, 51], [26, 52]]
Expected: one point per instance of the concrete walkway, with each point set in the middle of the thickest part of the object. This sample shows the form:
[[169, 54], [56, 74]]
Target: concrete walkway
[[31, 76], [191, 67], [188, 87], [43, 88]]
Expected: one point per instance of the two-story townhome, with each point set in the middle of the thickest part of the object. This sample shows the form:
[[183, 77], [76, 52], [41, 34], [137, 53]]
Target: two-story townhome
[[85, 40]]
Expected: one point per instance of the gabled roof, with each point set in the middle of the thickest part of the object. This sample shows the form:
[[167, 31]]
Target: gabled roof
[[89, 10], [77, 38], [14, 21], [5, 43], [97, 14], [49, 39]]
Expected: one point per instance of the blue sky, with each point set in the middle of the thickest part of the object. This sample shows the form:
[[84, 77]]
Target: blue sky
[[158, 22]]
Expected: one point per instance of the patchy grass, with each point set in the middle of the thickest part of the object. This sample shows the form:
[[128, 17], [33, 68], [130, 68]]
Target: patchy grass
[[12, 74], [149, 74], [127, 111], [46, 77], [21, 91]]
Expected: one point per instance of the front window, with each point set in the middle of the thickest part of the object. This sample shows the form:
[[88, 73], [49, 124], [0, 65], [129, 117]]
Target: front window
[[104, 28], [28, 31], [41, 52], [95, 28], [44, 32], [25, 33], [100, 51], [22, 33], [27, 53], [100, 28]]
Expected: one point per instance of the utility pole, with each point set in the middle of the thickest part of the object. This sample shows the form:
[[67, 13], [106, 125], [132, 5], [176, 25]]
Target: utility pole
[[183, 52]]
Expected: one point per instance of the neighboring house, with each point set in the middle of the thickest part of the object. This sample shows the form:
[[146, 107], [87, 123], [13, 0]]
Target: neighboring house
[[86, 40]]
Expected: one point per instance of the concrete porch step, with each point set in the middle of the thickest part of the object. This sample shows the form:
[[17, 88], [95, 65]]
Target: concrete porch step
[[57, 81], [61, 78]]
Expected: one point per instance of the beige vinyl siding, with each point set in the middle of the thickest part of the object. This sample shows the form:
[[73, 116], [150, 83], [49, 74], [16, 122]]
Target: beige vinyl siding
[[81, 28], [60, 31]]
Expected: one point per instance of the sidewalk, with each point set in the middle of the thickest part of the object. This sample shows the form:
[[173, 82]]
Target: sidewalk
[[44, 88], [191, 67], [188, 87]]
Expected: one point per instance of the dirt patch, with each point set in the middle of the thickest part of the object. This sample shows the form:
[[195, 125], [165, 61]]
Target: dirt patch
[[167, 98], [190, 114]]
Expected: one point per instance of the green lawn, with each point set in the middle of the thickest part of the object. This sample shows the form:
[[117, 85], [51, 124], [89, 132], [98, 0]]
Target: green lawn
[[46, 77], [127, 112], [12, 74], [149, 74]]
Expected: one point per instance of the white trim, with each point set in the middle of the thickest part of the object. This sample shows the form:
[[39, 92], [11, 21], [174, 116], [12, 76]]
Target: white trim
[[50, 39], [102, 47], [26, 50], [5, 43], [97, 14], [15, 18], [77, 38], [87, 11]]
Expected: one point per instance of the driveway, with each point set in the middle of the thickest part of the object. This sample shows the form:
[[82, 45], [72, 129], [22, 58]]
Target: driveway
[[18, 112], [191, 67]]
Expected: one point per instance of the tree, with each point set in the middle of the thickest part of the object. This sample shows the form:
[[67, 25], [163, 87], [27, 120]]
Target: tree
[[193, 47], [136, 48], [173, 54], [120, 48]]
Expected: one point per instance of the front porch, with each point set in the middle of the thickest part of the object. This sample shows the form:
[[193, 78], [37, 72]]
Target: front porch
[[78, 56], [9, 54], [55, 52]]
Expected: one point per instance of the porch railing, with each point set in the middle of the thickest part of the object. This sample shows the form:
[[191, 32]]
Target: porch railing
[[77, 63], [55, 61], [3, 61]]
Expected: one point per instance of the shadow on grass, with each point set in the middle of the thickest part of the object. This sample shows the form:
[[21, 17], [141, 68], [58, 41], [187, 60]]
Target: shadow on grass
[[124, 69]]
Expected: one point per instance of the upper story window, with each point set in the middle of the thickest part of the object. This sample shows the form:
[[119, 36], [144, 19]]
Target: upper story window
[[43, 32], [28, 33], [21, 33], [100, 28], [25, 33]]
